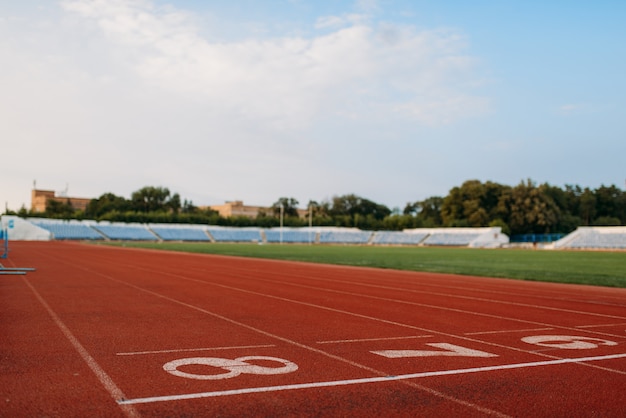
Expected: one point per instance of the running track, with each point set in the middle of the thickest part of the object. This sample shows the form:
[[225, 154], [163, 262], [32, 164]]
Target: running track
[[99, 331]]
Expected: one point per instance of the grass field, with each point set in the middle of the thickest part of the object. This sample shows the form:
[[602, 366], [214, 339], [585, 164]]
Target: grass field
[[580, 267]]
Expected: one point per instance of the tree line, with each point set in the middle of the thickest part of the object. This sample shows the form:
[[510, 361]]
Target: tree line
[[526, 208], [522, 209]]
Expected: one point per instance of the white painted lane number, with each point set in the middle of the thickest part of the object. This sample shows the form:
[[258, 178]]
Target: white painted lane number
[[232, 368], [446, 350], [567, 342]]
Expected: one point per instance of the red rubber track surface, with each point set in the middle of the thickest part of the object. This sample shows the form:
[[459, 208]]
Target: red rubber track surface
[[99, 331]]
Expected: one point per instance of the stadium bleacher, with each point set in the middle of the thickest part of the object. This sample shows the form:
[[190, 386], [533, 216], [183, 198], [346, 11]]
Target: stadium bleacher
[[128, 232], [594, 238], [348, 236], [451, 239], [69, 230], [398, 238], [179, 233], [289, 235], [235, 234], [486, 237]]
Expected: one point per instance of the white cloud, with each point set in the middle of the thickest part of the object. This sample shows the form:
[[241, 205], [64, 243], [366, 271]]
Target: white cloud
[[368, 6], [112, 95], [444, 111], [571, 109], [335, 22], [287, 81]]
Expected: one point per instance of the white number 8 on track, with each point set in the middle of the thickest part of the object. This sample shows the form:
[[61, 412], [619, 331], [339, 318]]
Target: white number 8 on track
[[233, 368]]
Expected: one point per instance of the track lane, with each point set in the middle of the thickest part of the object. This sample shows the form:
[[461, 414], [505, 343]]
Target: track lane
[[428, 391], [160, 279], [446, 320], [41, 373], [603, 302], [594, 322]]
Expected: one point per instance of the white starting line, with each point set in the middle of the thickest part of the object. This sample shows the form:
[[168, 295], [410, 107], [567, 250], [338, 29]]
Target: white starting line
[[360, 340], [365, 380], [182, 350]]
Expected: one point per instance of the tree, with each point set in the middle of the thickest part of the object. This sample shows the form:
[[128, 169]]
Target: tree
[[452, 207], [397, 222], [607, 221], [427, 211], [610, 203], [587, 206], [430, 211], [503, 226], [529, 209], [355, 208], [289, 207], [108, 202], [22, 213], [188, 207], [572, 199], [568, 202], [58, 209], [525, 208], [151, 199], [173, 203], [473, 204]]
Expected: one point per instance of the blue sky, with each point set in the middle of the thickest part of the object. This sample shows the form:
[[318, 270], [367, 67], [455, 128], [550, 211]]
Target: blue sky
[[249, 100]]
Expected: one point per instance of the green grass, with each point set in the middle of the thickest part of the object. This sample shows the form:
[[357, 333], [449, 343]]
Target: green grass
[[581, 267]]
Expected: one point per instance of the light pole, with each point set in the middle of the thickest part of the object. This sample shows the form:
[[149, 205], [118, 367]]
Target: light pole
[[282, 210], [310, 222]]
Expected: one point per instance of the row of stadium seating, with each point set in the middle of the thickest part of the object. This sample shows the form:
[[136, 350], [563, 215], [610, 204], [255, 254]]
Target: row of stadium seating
[[126, 232], [46, 229], [398, 238], [599, 241], [290, 235], [450, 239], [91, 230], [69, 230], [180, 234], [345, 237], [594, 238], [236, 234]]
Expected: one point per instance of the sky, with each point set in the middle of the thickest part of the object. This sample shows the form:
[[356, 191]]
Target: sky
[[392, 100]]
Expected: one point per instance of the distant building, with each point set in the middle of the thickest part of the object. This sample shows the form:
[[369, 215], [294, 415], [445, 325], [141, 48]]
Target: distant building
[[237, 208], [39, 199]]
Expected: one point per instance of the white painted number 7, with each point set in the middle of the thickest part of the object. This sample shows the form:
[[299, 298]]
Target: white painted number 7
[[446, 350]]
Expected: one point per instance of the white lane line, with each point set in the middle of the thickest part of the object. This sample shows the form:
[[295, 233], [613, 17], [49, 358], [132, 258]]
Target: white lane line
[[106, 381], [182, 350], [404, 302], [433, 392], [366, 380], [353, 314], [304, 346], [508, 331], [621, 324], [488, 300], [373, 339]]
